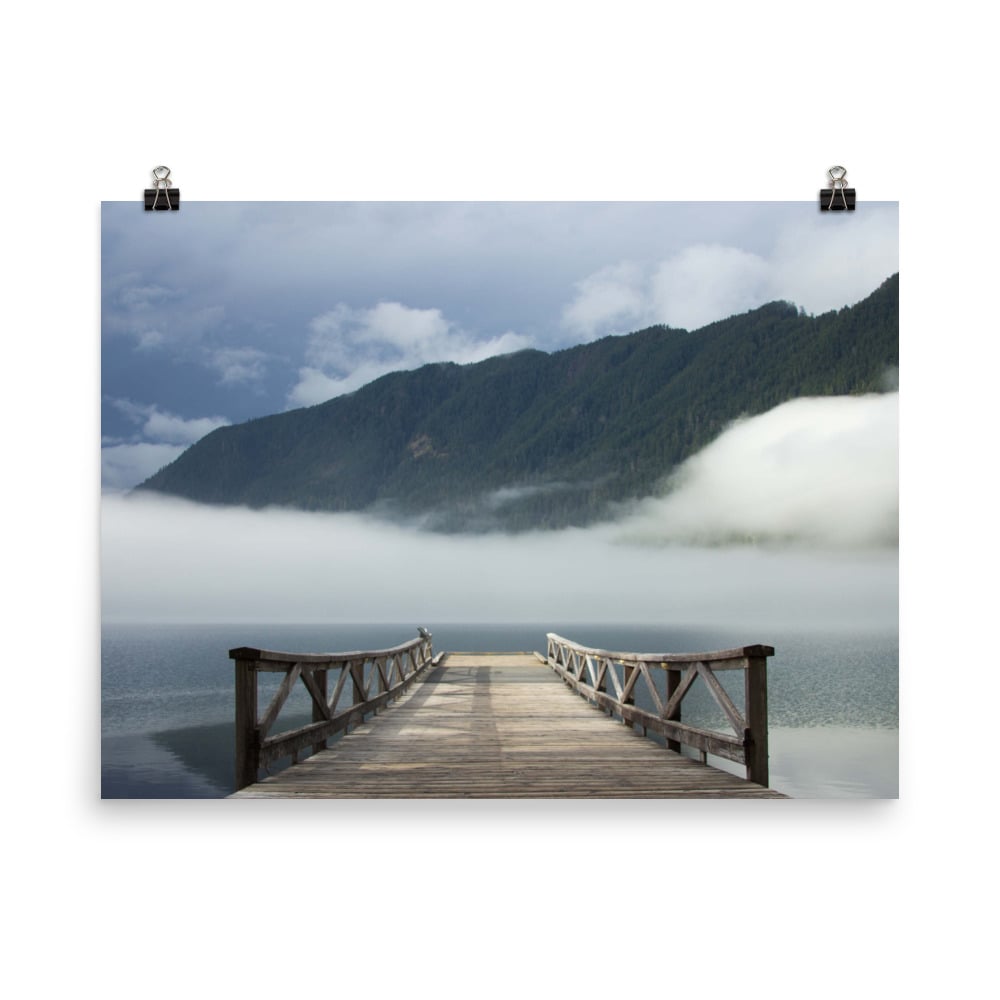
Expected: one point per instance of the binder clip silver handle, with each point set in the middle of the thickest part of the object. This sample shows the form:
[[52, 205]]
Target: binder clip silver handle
[[161, 187], [838, 185]]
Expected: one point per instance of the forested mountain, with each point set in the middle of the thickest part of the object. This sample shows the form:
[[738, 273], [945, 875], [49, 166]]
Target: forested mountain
[[531, 439]]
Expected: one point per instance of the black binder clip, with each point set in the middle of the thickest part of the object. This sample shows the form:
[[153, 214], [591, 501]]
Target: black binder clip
[[163, 197], [840, 197]]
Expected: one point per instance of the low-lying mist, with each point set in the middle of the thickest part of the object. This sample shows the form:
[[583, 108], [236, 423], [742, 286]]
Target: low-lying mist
[[811, 472], [787, 519], [170, 560]]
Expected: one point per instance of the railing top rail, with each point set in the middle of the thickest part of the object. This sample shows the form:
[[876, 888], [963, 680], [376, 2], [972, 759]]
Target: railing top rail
[[739, 653], [250, 653]]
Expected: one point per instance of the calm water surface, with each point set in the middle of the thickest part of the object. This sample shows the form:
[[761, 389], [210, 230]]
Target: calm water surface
[[167, 697]]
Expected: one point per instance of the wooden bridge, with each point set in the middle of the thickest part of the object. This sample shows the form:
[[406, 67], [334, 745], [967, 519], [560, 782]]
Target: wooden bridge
[[499, 725]]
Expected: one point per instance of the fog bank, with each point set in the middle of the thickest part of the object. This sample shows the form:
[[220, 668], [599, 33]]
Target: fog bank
[[813, 471], [170, 560]]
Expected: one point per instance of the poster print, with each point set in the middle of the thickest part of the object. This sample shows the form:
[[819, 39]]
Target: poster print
[[663, 427]]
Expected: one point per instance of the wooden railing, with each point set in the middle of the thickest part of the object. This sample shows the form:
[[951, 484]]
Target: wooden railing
[[371, 679], [591, 671]]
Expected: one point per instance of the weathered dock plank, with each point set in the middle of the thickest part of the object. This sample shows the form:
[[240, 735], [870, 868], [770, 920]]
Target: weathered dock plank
[[497, 726]]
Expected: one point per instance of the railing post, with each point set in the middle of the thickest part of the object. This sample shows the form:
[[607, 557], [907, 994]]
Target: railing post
[[627, 670], [756, 708], [247, 748], [358, 683], [673, 683], [319, 676]]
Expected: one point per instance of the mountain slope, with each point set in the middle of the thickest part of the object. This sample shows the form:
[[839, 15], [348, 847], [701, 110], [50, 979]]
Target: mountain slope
[[534, 439]]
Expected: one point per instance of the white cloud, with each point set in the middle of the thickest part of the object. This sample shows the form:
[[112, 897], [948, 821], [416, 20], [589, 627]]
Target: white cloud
[[819, 263], [348, 348], [834, 259], [811, 471], [615, 296], [160, 426], [176, 430], [124, 466], [691, 289], [702, 284], [236, 365], [314, 387]]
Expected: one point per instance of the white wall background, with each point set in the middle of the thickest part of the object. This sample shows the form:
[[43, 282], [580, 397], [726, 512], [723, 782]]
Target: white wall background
[[442, 100]]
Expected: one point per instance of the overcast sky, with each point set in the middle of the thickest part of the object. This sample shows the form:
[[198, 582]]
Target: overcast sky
[[225, 311]]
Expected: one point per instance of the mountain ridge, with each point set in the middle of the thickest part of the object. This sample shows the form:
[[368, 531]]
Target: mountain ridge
[[535, 439]]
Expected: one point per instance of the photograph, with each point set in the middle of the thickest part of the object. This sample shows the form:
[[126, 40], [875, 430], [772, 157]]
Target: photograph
[[492, 499]]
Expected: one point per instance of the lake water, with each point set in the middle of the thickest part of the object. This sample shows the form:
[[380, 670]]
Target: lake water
[[167, 697]]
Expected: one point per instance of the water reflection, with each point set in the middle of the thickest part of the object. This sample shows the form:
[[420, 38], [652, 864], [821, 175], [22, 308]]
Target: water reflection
[[835, 762]]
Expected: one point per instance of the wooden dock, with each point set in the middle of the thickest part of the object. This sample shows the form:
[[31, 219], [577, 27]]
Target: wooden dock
[[490, 725]]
